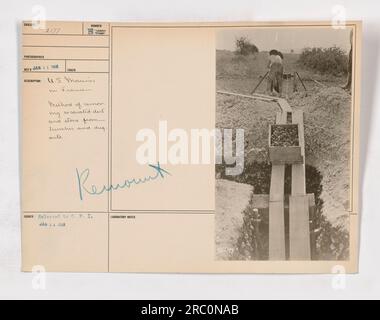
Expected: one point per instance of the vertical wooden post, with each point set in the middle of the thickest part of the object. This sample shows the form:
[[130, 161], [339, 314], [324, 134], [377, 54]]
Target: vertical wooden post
[[299, 228]]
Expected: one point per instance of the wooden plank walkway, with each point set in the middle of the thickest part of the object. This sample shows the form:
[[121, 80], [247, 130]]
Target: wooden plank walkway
[[276, 207], [276, 231], [299, 226], [284, 105], [298, 170]]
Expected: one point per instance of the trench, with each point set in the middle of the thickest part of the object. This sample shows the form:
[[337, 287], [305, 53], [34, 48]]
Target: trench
[[253, 241]]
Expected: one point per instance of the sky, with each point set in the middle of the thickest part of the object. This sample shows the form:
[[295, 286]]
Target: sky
[[285, 38]]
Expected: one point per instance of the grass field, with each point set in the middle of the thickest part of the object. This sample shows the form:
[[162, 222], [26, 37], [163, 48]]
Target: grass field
[[242, 73]]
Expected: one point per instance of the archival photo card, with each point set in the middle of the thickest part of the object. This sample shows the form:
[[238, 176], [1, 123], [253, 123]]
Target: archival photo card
[[190, 147]]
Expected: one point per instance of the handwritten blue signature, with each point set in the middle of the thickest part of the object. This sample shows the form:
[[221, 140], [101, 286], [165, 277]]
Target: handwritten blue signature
[[95, 191]]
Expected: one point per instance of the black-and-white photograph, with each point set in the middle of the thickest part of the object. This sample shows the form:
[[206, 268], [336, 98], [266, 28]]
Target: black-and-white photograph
[[290, 89]]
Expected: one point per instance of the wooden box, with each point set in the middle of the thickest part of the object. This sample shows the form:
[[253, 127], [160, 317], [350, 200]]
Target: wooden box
[[288, 154]]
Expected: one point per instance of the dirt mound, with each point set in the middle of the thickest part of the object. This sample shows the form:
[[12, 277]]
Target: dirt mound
[[327, 116], [254, 116], [231, 199]]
